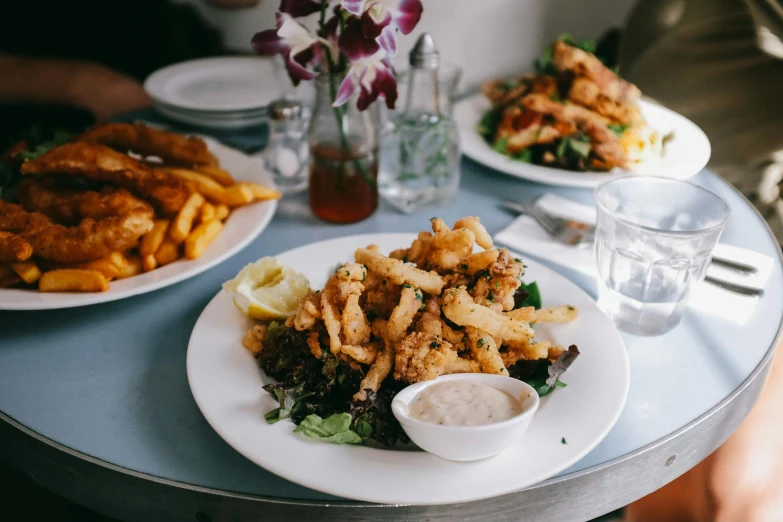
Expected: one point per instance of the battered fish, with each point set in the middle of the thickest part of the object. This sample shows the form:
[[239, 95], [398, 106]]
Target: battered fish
[[69, 207], [149, 141], [14, 248], [89, 240], [96, 162]]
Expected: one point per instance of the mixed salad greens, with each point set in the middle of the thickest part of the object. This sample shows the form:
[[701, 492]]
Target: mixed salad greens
[[317, 394]]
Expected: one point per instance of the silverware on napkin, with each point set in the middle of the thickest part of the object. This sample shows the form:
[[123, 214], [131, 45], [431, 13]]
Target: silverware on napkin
[[577, 233]]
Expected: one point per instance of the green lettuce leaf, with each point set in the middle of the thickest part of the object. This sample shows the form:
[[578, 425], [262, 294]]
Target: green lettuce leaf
[[527, 295], [335, 428]]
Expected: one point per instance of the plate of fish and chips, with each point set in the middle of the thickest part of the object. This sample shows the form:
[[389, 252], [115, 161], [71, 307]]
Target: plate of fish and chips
[[575, 122], [304, 389], [124, 209]]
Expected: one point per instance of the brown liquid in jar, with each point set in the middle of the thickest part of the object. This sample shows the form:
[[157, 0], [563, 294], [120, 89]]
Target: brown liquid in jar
[[339, 193]]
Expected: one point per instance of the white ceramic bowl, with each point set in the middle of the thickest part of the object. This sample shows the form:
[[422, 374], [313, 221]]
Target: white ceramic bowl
[[465, 443]]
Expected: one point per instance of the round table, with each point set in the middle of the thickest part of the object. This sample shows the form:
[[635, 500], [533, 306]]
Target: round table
[[96, 407]]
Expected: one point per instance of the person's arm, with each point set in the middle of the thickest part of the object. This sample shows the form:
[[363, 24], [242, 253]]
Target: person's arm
[[90, 86]]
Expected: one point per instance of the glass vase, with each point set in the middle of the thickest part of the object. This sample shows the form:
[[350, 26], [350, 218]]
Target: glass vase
[[343, 156]]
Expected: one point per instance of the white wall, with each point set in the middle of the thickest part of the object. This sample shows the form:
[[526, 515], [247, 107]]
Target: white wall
[[486, 37]]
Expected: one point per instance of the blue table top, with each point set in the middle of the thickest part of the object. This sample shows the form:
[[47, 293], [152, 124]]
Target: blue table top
[[109, 380]]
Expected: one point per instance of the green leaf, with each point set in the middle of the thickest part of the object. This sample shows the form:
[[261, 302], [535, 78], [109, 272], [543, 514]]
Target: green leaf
[[59, 138], [289, 399], [562, 147], [363, 429], [525, 156], [580, 147], [501, 145], [532, 296], [489, 123], [618, 128], [335, 429]]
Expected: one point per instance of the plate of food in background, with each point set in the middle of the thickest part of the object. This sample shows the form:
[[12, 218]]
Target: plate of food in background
[[576, 122], [296, 362], [120, 210]]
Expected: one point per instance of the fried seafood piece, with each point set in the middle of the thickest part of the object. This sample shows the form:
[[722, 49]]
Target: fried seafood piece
[[586, 92], [356, 329], [337, 292], [566, 112], [383, 365], [499, 283], [480, 261], [69, 207], [96, 162], [460, 308], [422, 357], [472, 223], [485, 351], [254, 338], [446, 249], [553, 314], [403, 314], [89, 240], [365, 354], [308, 312], [524, 351], [149, 141], [571, 59], [13, 248], [380, 295], [462, 365], [396, 271], [314, 343], [523, 128], [430, 322], [606, 145]]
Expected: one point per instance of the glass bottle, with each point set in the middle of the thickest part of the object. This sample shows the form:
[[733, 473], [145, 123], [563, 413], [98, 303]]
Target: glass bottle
[[343, 156], [286, 154], [420, 144]]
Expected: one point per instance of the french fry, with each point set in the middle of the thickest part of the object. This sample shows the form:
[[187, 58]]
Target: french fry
[[109, 266], [148, 262], [180, 227], [237, 195], [10, 280], [73, 280], [202, 183], [198, 240], [221, 176], [133, 266], [151, 240], [168, 252], [28, 271], [221, 212], [207, 212], [260, 192]]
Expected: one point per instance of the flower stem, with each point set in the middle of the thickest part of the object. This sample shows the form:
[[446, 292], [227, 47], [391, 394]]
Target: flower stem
[[339, 112]]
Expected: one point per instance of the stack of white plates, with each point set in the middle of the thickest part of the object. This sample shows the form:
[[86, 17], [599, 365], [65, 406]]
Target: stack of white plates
[[221, 93]]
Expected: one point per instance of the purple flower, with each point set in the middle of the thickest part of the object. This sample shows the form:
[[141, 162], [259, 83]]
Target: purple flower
[[298, 46], [382, 18], [297, 8], [373, 76]]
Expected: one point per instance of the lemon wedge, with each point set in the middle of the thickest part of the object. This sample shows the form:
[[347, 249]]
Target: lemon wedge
[[267, 291]]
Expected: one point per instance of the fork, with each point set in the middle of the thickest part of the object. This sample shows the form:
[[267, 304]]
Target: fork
[[565, 231]]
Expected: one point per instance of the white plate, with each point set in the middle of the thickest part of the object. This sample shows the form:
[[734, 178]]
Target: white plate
[[227, 385], [242, 226], [202, 120], [685, 156], [231, 83]]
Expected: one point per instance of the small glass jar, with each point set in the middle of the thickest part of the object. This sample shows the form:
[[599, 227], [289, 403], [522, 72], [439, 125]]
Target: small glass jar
[[343, 145], [286, 155]]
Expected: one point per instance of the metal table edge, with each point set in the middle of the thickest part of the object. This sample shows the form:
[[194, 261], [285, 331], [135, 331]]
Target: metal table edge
[[760, 368]]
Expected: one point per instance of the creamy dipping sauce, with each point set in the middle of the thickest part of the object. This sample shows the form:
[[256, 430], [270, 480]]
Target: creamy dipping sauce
[[463, 403]]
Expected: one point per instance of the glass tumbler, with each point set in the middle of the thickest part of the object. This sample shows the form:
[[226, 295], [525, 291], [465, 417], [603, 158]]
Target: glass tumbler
[[653, 242]]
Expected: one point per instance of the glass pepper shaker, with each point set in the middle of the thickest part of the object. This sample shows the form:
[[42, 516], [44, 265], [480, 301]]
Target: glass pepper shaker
[[420, 151], [286, 155]]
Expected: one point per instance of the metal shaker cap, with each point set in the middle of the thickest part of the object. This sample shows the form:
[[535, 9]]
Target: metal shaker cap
[[285, 110], [424, 54]]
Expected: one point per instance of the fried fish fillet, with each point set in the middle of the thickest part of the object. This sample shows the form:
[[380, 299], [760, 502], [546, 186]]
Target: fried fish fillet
[[570, 59], [96, 162], [586, 92], [89, 240], [69, 207], [149, 141], [14, 248]]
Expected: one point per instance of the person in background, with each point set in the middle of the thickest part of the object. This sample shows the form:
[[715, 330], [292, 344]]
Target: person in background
[[720, 64], [67, 64]]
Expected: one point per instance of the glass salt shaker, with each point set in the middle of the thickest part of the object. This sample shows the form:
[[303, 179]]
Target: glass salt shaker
[[420, 151], [286, 156]]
